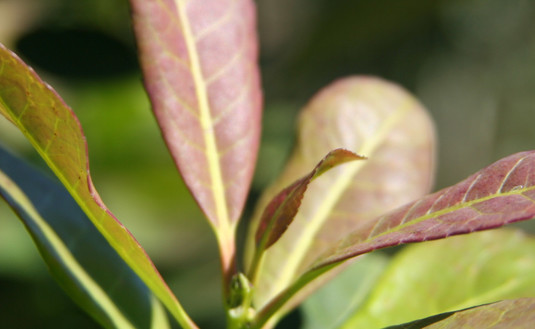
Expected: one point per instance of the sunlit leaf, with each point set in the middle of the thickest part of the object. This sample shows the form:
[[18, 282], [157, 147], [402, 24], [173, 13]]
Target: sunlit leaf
[[107, 289], [507, 314], [54, 131], [199, 62], [370, 117], [499, 194], [448, 275]]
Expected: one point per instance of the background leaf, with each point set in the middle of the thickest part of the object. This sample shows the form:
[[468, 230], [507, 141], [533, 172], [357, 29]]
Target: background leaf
[[80, 259], [368, 116], [199, 61], [499, 194], [448, 275], [54, 131], [517, 314], [342, 296]]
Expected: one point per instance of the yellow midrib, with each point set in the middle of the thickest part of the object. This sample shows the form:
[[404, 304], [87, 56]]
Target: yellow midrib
[[305, 239], [211, 152]]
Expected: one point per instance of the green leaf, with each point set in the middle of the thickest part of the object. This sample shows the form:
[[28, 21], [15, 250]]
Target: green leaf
[[54, 131], [79, 258], [342, 296], [449, 275], [514, 314], [199, 62], [368, 116]]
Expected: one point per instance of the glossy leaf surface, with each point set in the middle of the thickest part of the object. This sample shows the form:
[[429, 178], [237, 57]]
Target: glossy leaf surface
[[199, 62], [507, 314], [69, 243], [448, 275], [54, 131], [499, 194], [370, 117]]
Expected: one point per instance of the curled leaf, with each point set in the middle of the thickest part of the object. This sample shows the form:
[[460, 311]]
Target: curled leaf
[[282, 209]]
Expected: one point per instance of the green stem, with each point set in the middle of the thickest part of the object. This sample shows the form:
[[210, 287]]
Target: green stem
[[265, 314]]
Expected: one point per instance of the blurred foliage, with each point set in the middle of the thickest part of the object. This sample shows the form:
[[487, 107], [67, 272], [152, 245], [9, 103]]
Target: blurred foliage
[[471, 62]]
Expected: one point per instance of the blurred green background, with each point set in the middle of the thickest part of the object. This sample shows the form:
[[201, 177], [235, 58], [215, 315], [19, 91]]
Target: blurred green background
[[470, 62]]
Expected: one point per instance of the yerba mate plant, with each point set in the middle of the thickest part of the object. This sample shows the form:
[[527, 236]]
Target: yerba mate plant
[[355, 183]]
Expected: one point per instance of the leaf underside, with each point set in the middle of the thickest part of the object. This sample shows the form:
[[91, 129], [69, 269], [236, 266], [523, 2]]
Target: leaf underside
[[497, 195], [199, 63], [54, 131]]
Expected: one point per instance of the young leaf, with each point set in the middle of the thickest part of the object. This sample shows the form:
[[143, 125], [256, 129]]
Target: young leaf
[[499, 194], [280, 212], [483, 268], [282, 209], [199, 62], [370, 117], [54, 131], [514, 314], [70, 243]]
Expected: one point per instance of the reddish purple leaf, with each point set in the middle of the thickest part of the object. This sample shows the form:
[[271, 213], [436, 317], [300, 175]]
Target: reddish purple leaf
[[499, 194], [199, 62], [280, 212]]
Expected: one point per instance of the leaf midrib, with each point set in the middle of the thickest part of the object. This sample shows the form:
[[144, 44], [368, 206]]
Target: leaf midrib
[[427, 216], [211, 151]]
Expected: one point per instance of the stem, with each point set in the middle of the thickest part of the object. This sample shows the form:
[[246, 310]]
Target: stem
[[227, 250], [265, 314], [255, 265], [238, 306]]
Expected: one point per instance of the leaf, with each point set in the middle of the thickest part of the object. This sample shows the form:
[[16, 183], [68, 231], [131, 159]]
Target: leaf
[[54, 131], [514, 314], [107, 289], [280, 212], [199, 62], [339, 298], [499, 194], [448, 275], [368, 116]]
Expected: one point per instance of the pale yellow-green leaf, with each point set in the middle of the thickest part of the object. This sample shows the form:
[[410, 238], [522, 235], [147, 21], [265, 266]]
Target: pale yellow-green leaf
[[448, 275]]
